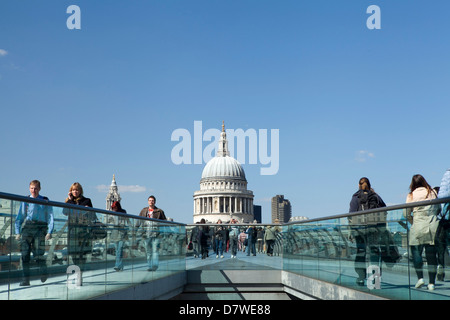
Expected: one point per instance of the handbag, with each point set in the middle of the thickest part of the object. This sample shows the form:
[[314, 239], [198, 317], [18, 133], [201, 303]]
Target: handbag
[[442, 229], [190, 246], [444, 223], [390, 254]]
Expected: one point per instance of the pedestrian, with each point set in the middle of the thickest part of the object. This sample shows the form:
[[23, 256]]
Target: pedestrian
[[151, 232], [33, 226], [366, 229], [79, 233], [269, 238], [444, 192], [194, 238], [251, 240], [120, 233], [423, 229], [203, 235], [233, 234], [260, 240], [242, 240], [220, 237]]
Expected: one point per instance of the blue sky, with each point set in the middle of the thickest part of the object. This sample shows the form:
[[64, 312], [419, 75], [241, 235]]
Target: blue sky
[[82, 105]]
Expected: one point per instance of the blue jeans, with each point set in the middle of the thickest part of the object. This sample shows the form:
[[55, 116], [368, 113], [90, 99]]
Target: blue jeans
[[119, 255], [33, 241], [251, 247], [152, 249], [431, 255], [219, 247], [233, 245]]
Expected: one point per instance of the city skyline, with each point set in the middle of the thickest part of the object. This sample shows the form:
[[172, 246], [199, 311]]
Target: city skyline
[[346, 101]]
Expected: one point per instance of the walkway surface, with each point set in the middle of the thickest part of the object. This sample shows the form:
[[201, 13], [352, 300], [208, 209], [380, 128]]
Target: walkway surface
[[395, 281], [241, 262]]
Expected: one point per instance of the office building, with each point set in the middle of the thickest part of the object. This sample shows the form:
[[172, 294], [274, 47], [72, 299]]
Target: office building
[[281, 209]]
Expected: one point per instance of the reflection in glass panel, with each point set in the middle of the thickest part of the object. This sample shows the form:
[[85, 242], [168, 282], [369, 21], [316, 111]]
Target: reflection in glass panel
[[90, 252], [85, 258], [366, 252]]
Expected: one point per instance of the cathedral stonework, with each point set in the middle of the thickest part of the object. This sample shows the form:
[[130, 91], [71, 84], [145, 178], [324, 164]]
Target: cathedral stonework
[[223, 190], [113, 194]]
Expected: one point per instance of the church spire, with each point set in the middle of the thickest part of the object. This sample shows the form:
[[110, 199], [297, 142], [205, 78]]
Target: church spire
[[113, 194], [223, 143]]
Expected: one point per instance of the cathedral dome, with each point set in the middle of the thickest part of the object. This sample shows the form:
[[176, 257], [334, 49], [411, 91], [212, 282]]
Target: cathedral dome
[[223, 193], [223, 166]]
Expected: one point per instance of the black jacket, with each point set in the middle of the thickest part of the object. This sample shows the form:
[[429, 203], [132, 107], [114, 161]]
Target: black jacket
[[81, 201], [373, 201], [80, 216]]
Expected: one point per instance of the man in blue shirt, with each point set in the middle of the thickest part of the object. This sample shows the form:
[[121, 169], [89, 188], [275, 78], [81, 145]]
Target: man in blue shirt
[[34, 225]]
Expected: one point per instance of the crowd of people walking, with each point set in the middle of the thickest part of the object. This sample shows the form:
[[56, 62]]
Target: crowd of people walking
[[233, 238], [427, 232]]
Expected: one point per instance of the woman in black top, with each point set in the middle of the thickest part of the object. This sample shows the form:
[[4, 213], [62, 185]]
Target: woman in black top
[[79, 236]]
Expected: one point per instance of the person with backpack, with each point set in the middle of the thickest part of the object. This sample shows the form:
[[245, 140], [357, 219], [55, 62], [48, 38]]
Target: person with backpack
[[233, 234], [269, 238], [365, 198], [366, 231]]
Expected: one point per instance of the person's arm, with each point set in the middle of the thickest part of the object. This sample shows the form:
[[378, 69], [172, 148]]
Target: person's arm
[[162, 216], [444, 189], [407, 212], [353, 204], [50, 221], [19, 219]]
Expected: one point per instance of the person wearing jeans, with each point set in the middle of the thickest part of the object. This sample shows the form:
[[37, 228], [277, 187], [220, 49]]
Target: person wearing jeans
[[151, 232], [422, 233], [34, 224]]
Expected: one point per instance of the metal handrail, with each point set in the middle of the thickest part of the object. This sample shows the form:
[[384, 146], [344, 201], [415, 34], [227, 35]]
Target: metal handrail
[[383, 209], [15, 197]]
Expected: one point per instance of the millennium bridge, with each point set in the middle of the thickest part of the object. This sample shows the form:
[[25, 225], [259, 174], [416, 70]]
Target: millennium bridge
[[362, 256]]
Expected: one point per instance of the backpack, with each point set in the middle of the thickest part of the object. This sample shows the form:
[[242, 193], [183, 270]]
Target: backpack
[[234, 232], [367, 200]]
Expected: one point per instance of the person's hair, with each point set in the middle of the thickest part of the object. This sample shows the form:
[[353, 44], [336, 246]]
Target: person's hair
[[418, 181], [152, 197], [364, 184], [116, 204], [78, 186], [36, 183]]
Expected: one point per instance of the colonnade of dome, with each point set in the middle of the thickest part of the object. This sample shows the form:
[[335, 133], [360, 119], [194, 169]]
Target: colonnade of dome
[[223, 190]]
